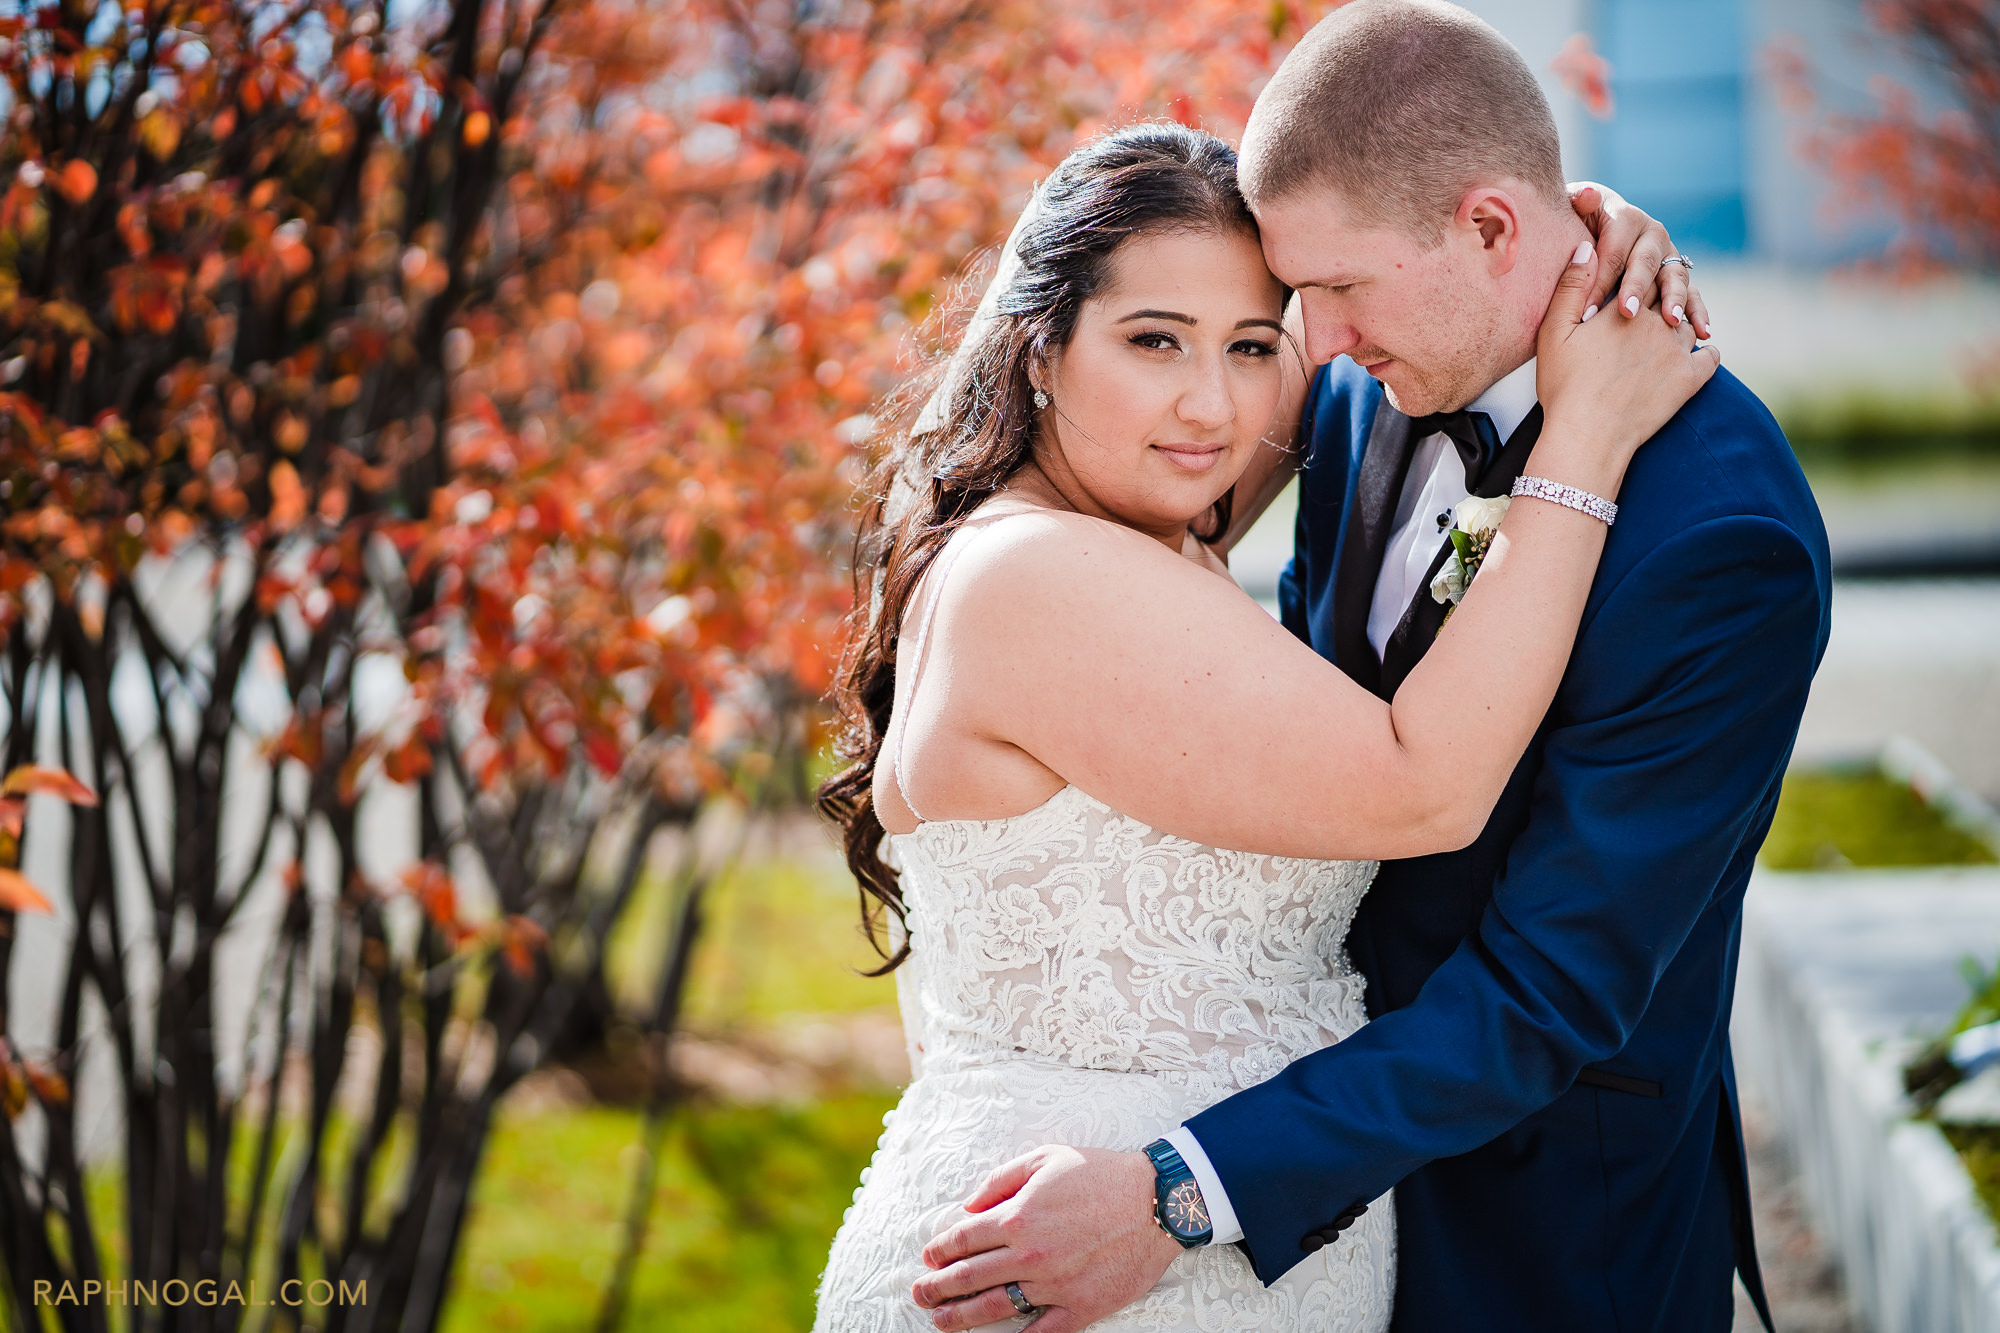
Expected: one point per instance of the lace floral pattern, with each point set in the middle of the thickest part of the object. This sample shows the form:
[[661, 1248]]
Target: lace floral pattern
[[1077, 977]]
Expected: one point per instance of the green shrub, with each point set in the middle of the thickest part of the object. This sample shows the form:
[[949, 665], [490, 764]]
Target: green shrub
[[1832, 820], [1865, 429]]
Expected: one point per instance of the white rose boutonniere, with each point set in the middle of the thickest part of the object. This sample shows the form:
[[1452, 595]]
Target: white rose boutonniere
[[1475, 520]]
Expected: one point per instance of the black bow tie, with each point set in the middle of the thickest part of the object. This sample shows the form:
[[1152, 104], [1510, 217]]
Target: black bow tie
[[1471, 433]]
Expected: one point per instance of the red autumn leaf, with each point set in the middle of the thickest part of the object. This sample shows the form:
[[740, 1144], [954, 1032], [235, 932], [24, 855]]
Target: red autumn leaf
[[407, 762], [76, 181], [349, 783], [18, 895], [521, 940], [436, 894], [271, 589], [303, 739], [51, 1088], [1586, 74], [357, 63], [30, 779], [603, 752]]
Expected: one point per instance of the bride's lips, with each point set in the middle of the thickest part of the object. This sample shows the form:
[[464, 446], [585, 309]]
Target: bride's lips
[[1192, 457]]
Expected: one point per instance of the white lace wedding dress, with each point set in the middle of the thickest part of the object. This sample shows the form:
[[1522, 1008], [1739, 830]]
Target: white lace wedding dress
[[1077, 977]]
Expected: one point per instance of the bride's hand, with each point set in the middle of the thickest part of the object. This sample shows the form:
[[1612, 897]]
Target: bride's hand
[[1633, 244], [1607, 385]]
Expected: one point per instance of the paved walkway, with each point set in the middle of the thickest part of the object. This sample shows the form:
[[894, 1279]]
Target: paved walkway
[[1801, 1279]]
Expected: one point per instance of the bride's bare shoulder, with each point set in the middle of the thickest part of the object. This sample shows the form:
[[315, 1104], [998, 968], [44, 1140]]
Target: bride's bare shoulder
[[1032, 551], [1049, 576]]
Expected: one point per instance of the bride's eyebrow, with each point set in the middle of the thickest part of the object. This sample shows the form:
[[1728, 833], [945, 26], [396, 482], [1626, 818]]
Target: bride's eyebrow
[[1190, 320]]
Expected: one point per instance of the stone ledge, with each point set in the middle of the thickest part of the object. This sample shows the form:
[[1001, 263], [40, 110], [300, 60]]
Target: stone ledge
[[1842, 975]]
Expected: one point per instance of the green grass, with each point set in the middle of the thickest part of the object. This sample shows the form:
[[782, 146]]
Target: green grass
[[1831, 820], [747, 1204], [785, 939], [748, 1197], [780, 938]]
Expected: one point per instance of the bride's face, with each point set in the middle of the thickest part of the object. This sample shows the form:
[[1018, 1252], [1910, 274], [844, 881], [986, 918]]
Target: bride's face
[[1169, 381]]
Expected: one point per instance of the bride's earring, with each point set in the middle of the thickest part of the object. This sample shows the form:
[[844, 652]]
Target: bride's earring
[[1041, 400]]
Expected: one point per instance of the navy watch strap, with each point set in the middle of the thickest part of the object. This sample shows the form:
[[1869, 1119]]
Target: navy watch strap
[[1166, 1158], [1171, 1171]]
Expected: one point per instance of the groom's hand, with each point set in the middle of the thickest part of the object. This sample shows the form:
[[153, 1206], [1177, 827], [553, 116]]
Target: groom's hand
[[1072, 1226]]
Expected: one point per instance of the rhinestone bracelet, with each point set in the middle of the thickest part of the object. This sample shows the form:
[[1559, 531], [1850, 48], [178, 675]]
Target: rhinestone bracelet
[[1541, 488]]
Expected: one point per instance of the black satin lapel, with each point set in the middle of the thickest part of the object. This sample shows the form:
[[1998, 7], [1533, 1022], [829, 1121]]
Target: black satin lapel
[[1424, 616], [1503, 471], [1376, 488], [1414, 633]]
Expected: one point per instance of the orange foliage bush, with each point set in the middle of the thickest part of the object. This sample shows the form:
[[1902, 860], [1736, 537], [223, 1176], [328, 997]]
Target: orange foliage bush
[[1939, 173], [467, 404]]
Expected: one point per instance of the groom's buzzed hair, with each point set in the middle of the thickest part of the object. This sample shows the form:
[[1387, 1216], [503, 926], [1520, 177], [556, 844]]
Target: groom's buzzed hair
[[1401, 106]]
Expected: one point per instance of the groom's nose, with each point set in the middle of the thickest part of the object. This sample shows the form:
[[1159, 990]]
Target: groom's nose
[[1327, 334]]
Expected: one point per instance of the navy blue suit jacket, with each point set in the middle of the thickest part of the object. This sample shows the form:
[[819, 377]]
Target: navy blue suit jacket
[[1546, 1078]]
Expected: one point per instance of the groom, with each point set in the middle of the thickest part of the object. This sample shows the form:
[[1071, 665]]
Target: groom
[[1546, 1081]]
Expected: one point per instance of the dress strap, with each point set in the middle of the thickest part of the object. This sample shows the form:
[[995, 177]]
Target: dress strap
[[934, 580]]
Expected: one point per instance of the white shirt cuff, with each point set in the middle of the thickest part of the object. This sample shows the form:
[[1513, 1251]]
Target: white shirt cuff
[[1220, 1214]]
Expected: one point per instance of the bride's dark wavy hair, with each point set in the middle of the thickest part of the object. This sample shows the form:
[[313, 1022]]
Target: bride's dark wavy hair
[[1141, 180]]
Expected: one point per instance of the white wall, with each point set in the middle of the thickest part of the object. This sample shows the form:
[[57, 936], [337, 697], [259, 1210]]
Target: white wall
[[1539, 28]]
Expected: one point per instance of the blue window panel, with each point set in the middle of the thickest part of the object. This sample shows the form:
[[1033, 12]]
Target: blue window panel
[[1675, 144]]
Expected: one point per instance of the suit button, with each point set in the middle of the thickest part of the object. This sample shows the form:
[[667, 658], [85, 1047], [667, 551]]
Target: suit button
[[1313, 1241]]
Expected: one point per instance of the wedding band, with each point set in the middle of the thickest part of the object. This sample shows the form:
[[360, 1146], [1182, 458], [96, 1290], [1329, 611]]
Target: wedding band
[[1021, 1303], [1687, 265]]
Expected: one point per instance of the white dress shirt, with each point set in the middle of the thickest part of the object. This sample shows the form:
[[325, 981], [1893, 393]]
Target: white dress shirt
[[1434, 483]]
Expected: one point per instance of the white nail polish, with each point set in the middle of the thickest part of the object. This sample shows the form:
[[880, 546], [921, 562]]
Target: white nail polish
[[1588, 311], [1582, 255], [1679, 314], [1631, 305]]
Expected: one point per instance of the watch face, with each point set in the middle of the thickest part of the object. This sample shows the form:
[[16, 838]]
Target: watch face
[[1186, 1211]]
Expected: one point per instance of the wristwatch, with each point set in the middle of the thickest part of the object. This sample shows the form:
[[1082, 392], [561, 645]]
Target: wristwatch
[[1177, 1203]]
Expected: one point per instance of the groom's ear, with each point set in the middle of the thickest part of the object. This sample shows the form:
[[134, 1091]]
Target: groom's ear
[[1489, 216]]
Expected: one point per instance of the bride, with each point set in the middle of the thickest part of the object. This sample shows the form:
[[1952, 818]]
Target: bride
[[1129, 816]]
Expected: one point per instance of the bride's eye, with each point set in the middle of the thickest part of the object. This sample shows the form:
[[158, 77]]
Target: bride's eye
[[1254, 347], [1155, 341]]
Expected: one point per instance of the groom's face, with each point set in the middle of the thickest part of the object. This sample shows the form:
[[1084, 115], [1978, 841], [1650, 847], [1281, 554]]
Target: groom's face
[[1424, 319]]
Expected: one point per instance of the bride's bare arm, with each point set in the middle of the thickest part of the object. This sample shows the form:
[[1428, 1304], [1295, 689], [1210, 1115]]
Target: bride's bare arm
[[1173, 698]]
